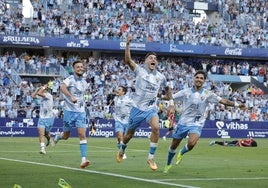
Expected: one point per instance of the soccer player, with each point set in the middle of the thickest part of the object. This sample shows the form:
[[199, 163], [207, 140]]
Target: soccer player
[[73, 89], [195, 101], [239, 142], [46, 116], [147, 85], [122, 106], [171, 120]]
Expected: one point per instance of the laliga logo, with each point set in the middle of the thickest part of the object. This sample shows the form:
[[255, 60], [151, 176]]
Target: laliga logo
[[221, 132]]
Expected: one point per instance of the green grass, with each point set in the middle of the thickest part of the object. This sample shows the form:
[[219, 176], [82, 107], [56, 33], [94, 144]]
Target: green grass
[[205, 166]]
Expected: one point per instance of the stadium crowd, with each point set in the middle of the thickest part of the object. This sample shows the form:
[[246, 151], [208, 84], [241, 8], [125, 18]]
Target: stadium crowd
[[240, 24], [104, 75]]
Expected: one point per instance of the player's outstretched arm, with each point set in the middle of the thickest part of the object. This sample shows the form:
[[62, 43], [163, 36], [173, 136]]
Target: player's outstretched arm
[[128, 59], [231, 103]]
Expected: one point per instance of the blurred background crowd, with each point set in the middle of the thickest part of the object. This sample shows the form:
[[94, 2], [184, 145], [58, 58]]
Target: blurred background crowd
[[240, 23], [104, 75]]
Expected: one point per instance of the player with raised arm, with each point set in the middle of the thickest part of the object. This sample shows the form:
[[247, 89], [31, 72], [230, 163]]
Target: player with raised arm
[[122, 105], [46, 116], [194, 112], [147, 86]]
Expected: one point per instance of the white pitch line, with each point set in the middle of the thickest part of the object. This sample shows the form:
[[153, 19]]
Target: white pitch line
[[102, 173], [58, 151], [216, 179]]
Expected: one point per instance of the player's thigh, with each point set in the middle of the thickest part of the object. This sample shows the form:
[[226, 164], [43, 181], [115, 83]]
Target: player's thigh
[[45, 123], [80, 120], [154, 122], [152, 118], [135, 118], [119, 127], [180, 132], [194, 134]]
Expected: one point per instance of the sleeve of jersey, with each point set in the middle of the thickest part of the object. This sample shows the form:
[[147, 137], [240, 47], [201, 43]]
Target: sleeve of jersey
[[213, 98], [46, 95], [67, 81], [245, 143], [137, 69], [179, 95]]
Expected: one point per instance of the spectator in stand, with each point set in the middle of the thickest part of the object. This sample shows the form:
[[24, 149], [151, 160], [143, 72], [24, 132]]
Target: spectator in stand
[[176, 73], [2, 112], [232, 21], [254, 116]]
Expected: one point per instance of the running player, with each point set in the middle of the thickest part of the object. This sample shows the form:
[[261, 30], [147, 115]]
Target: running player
[[194, 105], [73, 89], [147, 86], [122, 106], [46, 116]]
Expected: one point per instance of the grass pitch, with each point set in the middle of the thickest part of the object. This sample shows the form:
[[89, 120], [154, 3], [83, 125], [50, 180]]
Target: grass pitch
[[205, 166]]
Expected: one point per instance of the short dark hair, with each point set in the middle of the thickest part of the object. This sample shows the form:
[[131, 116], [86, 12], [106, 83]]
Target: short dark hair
[[75, 62], [124, 88], [201, 72], [150, 53], [254, 144]]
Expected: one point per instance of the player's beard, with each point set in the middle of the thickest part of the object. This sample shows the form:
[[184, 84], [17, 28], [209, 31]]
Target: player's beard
[[79, 74]]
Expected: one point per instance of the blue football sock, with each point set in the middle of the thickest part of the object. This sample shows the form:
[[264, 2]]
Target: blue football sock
[[123, 147], [83, 148], [184, 149], [118, 145], [153, 147], [171, 154]]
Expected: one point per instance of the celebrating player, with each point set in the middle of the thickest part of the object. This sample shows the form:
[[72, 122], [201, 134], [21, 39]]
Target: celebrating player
[[122, 106], [194, 104], [46, 116], [73, 89], [148, 83]]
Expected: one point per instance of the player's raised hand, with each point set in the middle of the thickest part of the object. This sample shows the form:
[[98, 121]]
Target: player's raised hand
[[129, 38]]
